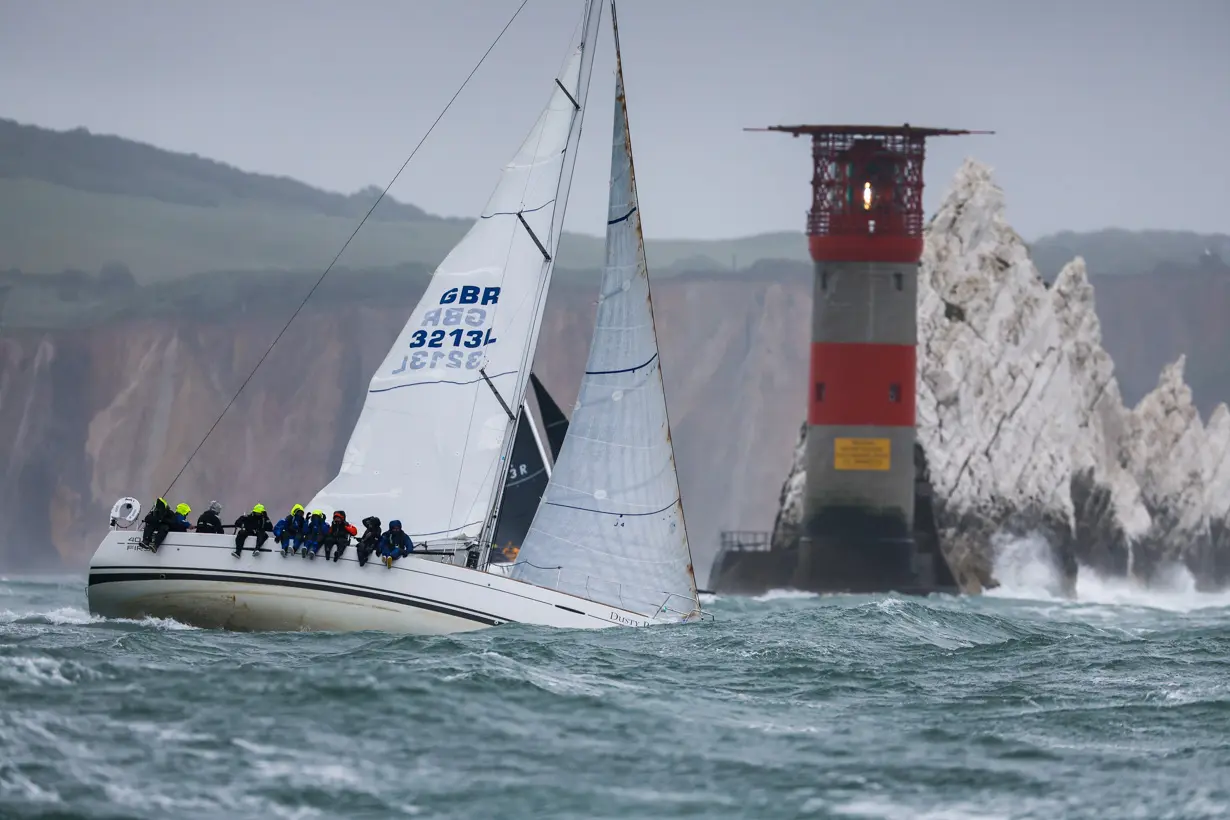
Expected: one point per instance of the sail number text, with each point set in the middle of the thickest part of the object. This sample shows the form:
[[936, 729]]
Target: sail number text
[[452, 329]]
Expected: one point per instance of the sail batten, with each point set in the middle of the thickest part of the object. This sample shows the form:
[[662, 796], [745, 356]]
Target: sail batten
[[432, 439], [610, 527]]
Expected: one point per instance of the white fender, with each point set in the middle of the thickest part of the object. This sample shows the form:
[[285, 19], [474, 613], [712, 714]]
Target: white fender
[[125, 512]]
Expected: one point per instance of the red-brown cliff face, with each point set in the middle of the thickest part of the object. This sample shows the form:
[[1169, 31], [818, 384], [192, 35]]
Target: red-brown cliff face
[[90, 415]]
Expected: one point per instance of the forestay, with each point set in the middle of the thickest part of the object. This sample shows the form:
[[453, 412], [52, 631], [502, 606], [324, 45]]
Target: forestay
[[610, 527], [430, 438]]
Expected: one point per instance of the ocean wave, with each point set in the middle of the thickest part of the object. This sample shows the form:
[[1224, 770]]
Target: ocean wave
[[855, 706]]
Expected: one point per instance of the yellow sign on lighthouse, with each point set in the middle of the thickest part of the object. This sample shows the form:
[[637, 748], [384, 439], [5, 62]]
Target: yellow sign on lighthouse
[[862, 454]]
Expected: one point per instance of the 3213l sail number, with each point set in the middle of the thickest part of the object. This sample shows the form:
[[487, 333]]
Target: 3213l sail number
[[472, 338]]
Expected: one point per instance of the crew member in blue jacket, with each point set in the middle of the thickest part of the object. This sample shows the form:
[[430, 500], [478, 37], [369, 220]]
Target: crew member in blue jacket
[[181, 523], [289, 531], [394, 544], [313, 533]]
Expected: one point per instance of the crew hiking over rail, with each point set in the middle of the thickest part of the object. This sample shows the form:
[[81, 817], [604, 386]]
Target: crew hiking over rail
[[297, 533]]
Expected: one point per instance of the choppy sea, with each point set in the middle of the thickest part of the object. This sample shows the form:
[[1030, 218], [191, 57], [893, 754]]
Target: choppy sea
[[1010, 705]]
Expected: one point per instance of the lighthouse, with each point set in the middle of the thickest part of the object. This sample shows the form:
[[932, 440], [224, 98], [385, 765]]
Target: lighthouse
[[865, 235]]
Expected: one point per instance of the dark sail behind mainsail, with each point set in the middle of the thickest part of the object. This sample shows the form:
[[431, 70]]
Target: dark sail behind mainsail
[[527, 475], [553, 418]]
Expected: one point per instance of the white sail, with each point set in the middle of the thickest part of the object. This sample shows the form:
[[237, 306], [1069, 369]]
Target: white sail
[[428, 445], [610, 526]]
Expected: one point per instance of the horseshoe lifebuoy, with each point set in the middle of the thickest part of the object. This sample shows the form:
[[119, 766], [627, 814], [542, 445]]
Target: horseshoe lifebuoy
[[125, 512]]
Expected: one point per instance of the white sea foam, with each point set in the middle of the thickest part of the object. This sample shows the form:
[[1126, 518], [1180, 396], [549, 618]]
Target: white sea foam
[[1026, 570]]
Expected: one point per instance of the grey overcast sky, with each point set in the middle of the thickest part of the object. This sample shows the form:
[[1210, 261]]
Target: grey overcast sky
[[1108, 112]]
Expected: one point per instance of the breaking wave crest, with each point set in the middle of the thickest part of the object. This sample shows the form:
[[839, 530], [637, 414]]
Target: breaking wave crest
[[75, 616], [1026, 569]]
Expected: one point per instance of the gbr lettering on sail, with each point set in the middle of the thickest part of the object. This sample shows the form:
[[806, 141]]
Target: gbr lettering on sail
[[454, 334]]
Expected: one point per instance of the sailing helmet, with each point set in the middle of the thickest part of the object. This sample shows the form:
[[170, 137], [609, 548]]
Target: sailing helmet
[[296, 508], [259, 508], [339, 513], [182, 509], [395, 524], [318, 512], [215, 507]]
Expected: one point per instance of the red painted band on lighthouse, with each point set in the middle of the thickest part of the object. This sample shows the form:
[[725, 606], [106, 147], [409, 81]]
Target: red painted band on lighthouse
[[902, 250], [862, 384]]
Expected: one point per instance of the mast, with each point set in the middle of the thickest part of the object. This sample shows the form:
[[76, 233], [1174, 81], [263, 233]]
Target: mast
[[578, 96], [432, 442]]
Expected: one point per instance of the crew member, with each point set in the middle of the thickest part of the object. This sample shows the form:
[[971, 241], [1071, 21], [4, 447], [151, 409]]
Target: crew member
[[394, 544], [157, 523], [338, 535], [289, 531], [370, 540], [180, 522], [209, 521], [313, 533], [254, 523]]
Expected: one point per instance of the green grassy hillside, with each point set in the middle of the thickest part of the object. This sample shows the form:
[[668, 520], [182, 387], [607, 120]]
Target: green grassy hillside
[[76, 200], [105, 164], [50, 228], [72, 200], [1119, 252]]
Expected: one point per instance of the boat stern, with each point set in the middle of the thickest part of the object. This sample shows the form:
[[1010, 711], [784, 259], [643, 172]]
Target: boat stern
[[118, 555]]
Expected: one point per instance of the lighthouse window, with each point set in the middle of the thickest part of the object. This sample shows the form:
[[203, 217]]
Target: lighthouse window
[[819, 391], [824, 280], [894, 392], [898, 281]]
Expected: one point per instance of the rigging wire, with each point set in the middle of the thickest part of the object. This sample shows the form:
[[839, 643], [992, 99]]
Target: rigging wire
[[346, 244]]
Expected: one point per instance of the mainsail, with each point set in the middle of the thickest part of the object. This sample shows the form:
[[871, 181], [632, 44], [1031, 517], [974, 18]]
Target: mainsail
[[430, 442], [611, 527]]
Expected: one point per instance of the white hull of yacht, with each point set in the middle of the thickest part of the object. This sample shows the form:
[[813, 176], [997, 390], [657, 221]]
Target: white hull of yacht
[[195, 579]]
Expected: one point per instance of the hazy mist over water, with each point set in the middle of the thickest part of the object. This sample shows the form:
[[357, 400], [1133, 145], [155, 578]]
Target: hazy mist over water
[[1015, 705]]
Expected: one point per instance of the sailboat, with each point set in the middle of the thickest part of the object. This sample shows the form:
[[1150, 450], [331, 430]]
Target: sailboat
[[607, 545]]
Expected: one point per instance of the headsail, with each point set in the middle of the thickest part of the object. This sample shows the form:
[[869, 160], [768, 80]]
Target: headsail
[[611, 527], [428, 445]]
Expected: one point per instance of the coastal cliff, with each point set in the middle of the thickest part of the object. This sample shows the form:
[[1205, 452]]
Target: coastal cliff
[[107, 386], [115, 407]]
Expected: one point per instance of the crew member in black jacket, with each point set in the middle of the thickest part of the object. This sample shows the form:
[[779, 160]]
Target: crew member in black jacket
[[209, 521], [254, 523]]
